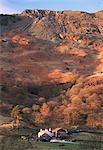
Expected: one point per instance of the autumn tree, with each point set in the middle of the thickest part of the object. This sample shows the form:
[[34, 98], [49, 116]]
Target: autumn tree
[[52, 104], [37, 118], [40, 114], [16, 114], [41, 100], [35, 108], [44, 110]]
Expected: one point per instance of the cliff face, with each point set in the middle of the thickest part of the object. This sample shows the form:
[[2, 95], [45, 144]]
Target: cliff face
[[42, 50]]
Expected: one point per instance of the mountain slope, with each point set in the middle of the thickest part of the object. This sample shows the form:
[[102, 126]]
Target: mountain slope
[[44, 53]]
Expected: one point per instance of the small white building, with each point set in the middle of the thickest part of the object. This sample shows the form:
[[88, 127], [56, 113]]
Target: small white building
[[46, 131]]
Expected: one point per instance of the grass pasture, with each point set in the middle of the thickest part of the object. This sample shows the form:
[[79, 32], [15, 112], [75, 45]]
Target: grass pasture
[[15, 143], [10, 140]]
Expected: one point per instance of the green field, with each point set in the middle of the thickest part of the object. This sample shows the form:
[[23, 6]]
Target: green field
[[15, 143]]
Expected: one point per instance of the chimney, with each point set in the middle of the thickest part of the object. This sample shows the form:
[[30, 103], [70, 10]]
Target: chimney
[[50, 129]]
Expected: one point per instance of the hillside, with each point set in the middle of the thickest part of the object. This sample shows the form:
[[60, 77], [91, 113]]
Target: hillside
[[56, 55]]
